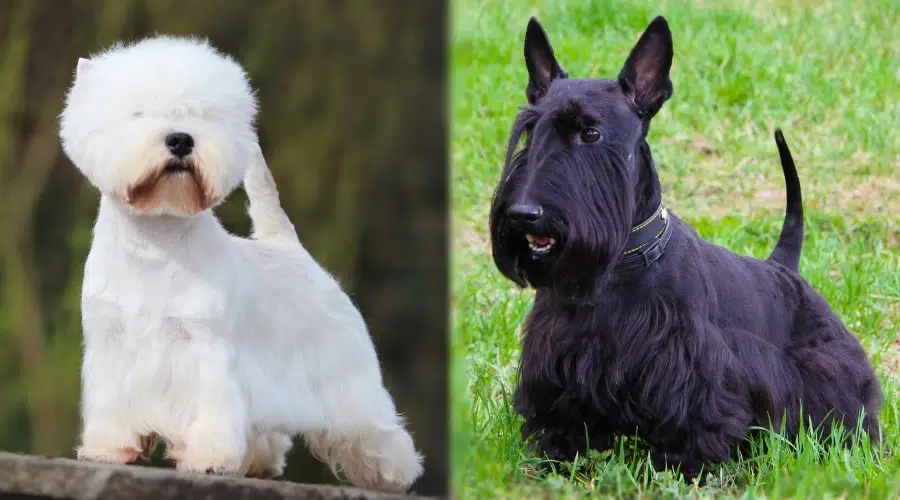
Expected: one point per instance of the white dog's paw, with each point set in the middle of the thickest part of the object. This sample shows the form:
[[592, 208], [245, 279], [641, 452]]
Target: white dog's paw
[[105, 449], [217, 466], [384, 461], [266, 455], [214, 462], [119, 456], [396, 463]]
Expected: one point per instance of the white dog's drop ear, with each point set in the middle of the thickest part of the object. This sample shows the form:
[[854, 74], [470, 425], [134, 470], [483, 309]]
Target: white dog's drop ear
[[84, 65]]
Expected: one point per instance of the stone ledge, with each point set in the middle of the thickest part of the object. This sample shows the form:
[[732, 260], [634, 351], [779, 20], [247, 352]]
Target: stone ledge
[[64, 478]]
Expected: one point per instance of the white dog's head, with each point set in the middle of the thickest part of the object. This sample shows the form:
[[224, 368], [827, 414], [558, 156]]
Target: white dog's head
[[165, 125]]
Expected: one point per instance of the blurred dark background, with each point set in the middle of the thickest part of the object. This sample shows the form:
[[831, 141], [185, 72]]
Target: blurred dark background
[[353, 126]]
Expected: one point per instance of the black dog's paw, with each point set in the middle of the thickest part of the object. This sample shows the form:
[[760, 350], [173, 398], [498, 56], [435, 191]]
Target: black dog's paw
[[559, 445], [558, 448], [690, 469]]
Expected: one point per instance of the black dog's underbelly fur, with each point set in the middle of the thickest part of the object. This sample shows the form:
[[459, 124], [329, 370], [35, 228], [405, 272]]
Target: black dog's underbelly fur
[[679, 373]]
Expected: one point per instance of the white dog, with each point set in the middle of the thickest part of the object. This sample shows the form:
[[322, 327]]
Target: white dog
[[221, 346]]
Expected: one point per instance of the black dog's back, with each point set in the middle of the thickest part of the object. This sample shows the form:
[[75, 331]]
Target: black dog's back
[[791, 347]]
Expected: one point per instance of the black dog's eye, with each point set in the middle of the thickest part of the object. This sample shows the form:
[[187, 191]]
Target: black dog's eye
[[590, 135]]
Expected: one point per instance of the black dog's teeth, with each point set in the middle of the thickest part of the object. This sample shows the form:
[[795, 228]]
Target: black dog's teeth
[[540, 244]]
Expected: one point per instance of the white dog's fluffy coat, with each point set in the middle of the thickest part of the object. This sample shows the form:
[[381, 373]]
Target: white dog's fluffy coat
[[222, 346]]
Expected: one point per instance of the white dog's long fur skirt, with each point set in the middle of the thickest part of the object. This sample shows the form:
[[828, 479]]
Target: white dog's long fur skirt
[[223, 347]]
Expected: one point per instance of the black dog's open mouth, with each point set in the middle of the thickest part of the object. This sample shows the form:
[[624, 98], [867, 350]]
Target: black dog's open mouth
[[540, 245]]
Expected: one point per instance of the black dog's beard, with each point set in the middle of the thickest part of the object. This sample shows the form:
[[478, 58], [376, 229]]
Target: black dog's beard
[[514, 255], [588, 205]]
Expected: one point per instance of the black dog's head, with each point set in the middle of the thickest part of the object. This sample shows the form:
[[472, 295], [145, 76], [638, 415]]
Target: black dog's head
[[567, 200]]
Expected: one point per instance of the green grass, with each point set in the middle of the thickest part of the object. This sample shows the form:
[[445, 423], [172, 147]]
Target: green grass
[[827, 73]]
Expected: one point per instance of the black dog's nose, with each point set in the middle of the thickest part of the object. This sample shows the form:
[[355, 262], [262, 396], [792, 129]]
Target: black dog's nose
[[180, 144], [524, 212]]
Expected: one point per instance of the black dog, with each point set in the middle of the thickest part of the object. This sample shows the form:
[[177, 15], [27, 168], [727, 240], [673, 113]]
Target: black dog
[[638, 325]]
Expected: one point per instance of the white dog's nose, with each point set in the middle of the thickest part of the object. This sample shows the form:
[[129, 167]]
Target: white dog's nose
[[180, 144]]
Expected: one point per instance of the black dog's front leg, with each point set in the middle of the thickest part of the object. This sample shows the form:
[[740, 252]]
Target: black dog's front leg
[[559, 427], [717, 422]]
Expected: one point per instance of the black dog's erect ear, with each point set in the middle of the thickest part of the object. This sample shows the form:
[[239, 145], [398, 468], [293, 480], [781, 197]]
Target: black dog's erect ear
[[542, 65], [645, 76]]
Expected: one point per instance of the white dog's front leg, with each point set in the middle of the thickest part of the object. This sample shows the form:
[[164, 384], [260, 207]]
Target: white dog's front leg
[[108, 435], [211, 407]]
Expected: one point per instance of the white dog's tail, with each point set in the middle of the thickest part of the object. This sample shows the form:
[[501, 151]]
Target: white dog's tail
[[269, 220]]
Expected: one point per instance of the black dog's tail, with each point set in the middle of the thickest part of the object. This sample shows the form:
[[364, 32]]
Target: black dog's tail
[[790, 243]]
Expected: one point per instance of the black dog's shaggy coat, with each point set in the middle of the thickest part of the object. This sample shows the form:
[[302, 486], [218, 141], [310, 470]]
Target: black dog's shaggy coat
[[688, 352]]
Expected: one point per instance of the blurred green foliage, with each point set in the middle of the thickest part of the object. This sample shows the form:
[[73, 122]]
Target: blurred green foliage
[[353, 126]]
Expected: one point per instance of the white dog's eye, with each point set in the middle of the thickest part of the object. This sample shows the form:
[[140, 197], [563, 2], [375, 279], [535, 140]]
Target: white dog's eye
[[138, 114]]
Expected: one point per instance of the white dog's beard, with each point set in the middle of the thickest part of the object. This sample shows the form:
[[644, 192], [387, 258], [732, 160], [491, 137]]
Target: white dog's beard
[[178, 186]]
